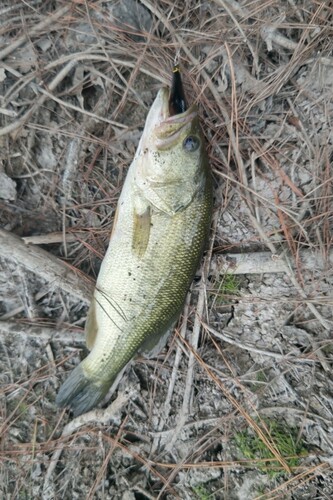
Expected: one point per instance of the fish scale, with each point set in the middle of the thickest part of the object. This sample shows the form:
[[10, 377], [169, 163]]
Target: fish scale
[[160, 231]]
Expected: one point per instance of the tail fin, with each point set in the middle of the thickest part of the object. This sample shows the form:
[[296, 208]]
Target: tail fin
[[80, 393]]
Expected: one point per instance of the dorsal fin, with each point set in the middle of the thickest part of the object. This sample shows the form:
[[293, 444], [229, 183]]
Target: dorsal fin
[[115, 220]]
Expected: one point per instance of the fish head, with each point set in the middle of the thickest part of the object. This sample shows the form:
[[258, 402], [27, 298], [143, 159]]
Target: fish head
[[172, 149]]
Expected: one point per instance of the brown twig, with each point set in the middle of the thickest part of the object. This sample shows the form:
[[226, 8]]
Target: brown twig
[[45, 265], [48, 21], [101, 417]]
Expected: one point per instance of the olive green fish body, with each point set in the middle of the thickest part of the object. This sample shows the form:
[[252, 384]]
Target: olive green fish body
[[160, 230]]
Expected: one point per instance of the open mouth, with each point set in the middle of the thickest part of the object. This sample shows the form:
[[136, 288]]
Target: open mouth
[[169, 118], [176, 117]]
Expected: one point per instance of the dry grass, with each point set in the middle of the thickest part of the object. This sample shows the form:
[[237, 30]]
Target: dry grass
[[76, 81]]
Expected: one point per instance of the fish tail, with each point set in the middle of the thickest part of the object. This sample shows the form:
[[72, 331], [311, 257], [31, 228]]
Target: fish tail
[[80, 393]]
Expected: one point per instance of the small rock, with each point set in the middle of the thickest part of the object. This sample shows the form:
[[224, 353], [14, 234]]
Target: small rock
[[2, 75], [131, 14], [24, 59], [44, 44], [7, 187]]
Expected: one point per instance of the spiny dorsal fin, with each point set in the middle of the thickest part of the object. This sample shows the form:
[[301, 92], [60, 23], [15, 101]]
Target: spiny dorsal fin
[[115, 220]]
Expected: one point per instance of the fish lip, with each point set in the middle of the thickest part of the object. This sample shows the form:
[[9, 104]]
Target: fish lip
[[162, 101], [170, 127], [169, 130], [182, 118], [161, 129]]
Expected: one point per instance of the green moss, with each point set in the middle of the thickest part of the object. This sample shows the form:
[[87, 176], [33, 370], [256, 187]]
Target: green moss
[[23, 408], [285, 440], [201, 493], [327, 349], [229, 285], [260, 377], [226, 289]]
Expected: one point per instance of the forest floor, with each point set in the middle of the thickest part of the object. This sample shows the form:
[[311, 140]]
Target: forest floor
[[239, 404]]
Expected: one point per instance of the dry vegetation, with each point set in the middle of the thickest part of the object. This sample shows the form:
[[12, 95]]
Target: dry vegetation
[[239, 404]]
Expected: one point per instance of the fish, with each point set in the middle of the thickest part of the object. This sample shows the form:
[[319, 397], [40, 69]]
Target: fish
[[160, 231]]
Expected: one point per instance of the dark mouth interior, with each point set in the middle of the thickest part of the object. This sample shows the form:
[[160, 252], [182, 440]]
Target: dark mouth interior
[[177, 101]]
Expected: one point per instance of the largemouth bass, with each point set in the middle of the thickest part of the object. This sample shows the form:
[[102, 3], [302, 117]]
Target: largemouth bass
[[160, 230]]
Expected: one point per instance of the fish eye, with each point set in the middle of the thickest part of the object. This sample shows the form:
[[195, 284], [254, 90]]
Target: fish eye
[[191, 143]]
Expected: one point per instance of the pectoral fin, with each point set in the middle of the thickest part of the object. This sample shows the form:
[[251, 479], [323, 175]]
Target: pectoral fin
[[91, 327], [141, 232]]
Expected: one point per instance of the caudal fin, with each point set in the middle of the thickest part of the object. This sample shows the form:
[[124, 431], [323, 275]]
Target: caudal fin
[[80, 393]]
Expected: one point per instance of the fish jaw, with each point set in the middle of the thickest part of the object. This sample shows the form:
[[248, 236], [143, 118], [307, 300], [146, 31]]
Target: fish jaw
[[161, 130], [158, 112]]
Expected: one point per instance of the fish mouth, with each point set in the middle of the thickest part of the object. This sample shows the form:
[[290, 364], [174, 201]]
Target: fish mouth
[[169, 119], [165, 127]]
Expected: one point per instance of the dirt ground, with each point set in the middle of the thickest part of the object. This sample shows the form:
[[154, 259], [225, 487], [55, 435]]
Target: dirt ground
[[238, 406]]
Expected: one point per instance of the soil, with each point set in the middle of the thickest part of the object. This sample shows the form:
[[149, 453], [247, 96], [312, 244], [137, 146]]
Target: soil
[[251, 351]]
